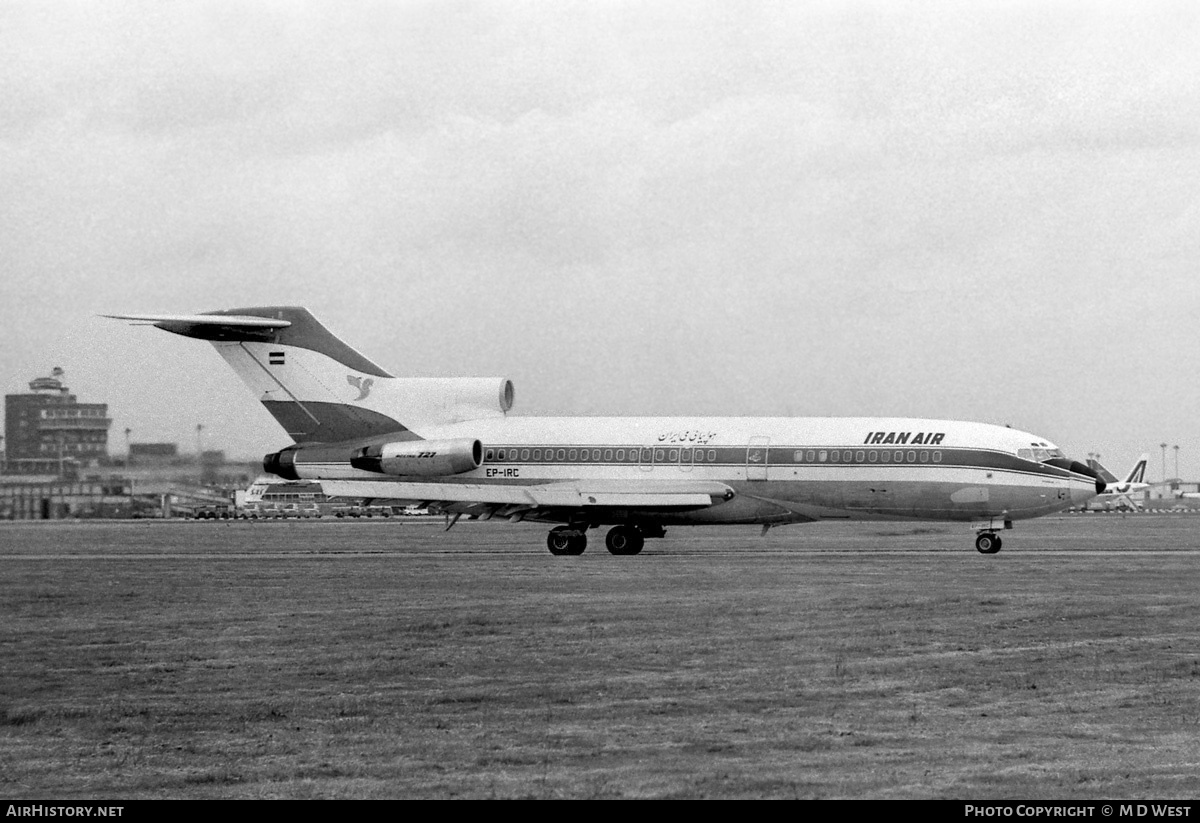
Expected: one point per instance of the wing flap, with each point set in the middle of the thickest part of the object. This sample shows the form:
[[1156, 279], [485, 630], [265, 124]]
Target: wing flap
[[551, 496]]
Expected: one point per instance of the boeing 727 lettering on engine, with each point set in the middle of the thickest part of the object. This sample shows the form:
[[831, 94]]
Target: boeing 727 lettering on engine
[[450, 444]]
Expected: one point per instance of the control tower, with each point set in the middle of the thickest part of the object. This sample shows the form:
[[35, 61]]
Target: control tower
[[47, 431]]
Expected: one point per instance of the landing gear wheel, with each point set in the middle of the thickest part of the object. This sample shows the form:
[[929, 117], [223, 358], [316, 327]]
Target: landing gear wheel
[[624, 540], [564, 540], [558, 541], [988, 543]]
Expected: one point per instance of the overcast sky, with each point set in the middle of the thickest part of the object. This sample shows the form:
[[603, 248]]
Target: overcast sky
[[982, 211]]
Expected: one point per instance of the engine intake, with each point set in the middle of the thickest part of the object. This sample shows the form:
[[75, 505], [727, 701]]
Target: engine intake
[[420, 458]]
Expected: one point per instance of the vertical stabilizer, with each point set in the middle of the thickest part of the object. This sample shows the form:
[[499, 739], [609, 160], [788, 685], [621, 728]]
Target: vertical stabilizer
[[322, 390], [315, 385]]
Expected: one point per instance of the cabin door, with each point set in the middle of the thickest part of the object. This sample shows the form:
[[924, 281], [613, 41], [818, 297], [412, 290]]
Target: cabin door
[[756, 458]]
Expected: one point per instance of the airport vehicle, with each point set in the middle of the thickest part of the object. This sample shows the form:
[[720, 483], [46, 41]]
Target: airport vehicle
[[272, 497], [450, 444], [1117, 492]]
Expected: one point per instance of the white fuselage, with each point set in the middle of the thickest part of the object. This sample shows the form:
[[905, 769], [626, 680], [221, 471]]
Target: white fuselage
[[782, 469]]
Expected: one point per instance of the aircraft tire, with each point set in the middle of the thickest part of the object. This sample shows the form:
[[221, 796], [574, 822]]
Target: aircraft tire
[[624, 540], [988, 543], [560, 542]]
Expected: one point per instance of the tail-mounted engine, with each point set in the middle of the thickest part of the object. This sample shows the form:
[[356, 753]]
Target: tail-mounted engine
[[420, 458], [413, 458], [442, 400]]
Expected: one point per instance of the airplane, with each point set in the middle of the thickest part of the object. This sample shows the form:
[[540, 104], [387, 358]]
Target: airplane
[[451, 445], [1116, 492]]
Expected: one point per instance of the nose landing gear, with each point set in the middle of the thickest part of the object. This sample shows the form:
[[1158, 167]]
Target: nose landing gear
[[988, 543]]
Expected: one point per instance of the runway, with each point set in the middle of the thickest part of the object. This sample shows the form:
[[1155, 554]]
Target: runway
[[827, 660], [1067, 535]]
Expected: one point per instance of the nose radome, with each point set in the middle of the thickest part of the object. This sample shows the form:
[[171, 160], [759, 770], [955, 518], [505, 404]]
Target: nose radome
[[1081, 468]]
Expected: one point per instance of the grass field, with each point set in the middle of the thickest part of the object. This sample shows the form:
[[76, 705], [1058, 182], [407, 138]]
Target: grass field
[[393, 660]]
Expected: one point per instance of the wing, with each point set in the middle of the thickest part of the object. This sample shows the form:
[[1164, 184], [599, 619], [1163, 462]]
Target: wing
[[536, 502]]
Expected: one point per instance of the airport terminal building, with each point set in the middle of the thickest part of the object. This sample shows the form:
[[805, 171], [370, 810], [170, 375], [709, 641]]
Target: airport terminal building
[[56, 464]]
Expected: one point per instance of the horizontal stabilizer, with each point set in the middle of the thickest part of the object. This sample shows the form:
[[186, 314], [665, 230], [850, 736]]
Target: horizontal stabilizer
[[230, 321]]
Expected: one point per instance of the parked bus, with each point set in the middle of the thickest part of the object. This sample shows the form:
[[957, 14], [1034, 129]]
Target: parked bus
[[271, 497]]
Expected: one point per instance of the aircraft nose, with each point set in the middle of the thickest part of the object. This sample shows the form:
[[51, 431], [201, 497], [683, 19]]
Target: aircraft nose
[[1084, 469]]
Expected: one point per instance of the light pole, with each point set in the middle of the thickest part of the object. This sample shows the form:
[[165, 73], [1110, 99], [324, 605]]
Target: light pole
[[1163, 446], [128, 449], [1176, 447]]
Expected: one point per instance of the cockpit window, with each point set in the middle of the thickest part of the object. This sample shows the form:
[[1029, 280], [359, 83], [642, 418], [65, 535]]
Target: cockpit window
[[1039, 454]]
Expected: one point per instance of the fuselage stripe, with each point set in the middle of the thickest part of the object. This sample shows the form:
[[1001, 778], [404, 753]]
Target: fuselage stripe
[[774, 457]]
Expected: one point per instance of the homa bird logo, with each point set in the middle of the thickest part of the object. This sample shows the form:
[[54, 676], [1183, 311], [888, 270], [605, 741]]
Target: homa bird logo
[[363, 384]]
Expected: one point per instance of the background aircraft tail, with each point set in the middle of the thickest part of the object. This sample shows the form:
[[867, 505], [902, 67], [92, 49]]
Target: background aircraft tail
[[1104, 474], [322, 390], [1138, 473]]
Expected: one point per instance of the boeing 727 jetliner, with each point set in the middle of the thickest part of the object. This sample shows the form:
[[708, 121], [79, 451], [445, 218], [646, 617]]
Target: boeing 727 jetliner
[[450, 444]]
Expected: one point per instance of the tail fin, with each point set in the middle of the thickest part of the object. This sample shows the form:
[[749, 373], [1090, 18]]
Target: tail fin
[[1104, 474], [298, 369], [320, 389], [1138, 472]]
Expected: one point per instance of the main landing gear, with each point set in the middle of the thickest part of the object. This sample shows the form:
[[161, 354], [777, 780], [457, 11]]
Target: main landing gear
[[624, 540], [566, 540], [620, 540]]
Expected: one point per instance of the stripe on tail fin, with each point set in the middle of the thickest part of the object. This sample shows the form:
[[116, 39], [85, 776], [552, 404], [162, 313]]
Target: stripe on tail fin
[[1138, 472]]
